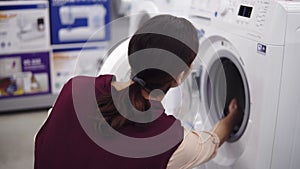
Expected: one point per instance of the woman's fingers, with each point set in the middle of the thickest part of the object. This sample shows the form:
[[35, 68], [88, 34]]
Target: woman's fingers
[[235, 111], [233, 106]]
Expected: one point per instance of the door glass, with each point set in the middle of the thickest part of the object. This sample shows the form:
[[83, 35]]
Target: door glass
[[225, 82]]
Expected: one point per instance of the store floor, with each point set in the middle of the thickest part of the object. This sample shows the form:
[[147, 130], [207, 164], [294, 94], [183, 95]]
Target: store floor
[[17, 131]]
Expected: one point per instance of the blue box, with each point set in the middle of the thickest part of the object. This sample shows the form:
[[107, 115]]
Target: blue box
[[78, 21]]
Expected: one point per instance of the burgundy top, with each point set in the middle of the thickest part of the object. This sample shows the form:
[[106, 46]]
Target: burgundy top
[[63, 143]]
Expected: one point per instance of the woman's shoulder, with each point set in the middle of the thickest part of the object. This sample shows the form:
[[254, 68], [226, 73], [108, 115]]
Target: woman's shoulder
[[101, 83], [107, 78]]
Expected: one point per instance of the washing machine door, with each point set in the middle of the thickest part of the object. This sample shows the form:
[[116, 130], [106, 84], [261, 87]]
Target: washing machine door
[[222, 78]]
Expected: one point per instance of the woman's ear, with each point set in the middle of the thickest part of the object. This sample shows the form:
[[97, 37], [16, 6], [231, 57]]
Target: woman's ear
[[179, 80]]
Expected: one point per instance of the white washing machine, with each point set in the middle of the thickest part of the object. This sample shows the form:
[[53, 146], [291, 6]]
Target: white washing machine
[[249, 49]]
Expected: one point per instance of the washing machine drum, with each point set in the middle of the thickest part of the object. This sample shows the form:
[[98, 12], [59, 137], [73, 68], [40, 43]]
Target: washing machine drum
[[226, 81]]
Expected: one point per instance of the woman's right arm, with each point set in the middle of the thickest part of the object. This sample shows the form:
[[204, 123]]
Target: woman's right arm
[[200, 147]]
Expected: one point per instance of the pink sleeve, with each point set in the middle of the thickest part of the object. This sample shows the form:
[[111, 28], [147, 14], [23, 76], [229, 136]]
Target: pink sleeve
[[195, 149]]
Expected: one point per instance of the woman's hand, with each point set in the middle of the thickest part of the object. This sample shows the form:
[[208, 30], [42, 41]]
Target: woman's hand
[[235, 111], [225, 126], [233, 107]]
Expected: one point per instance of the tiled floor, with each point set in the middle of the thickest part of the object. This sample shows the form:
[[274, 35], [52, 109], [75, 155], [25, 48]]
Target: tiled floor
[[17, 131]]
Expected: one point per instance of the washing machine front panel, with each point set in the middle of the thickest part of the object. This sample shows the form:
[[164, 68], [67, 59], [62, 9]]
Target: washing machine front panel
[[259, 79], [221, 65], [225, 79]]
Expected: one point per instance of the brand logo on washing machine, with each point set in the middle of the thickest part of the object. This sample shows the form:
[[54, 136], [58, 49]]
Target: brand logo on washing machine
[[261, 48]]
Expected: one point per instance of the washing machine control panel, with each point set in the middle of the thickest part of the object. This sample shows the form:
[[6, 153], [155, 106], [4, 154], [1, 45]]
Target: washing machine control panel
[[250, 14], [255, 19], [251, 17], [240, 11], [261, 13]]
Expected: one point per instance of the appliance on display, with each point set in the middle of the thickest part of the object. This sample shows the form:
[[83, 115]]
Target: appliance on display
[[25, 74], [95, 22], [79, 21], [31, 27], [142, 10], [24, 26], [239, 57], [116, 62], [25, 77], [78, 29], [70, 62], [122, 7]]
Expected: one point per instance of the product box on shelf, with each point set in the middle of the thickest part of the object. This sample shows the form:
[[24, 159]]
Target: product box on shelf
[[24, 74], [79, 21], [75, 61], [24, 26]]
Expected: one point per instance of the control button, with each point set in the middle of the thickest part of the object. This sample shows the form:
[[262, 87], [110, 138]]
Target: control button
[[201, 33], [216, 14], [2, 44]]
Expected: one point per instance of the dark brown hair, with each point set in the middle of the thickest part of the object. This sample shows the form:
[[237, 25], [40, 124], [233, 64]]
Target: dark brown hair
[[160, 36]]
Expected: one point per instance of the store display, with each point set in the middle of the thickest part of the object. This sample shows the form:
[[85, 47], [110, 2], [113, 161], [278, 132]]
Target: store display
[[24, 26], [75, 61], [24, 74], [31, 75], [79, 21]]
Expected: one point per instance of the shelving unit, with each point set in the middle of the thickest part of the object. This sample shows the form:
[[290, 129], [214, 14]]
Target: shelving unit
[[27, 103]]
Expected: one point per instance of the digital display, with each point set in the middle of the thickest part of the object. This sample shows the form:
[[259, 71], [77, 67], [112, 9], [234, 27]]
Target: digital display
[[245, 11]]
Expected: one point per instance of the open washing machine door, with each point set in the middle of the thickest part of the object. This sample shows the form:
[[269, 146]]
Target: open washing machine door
[[221, 78]]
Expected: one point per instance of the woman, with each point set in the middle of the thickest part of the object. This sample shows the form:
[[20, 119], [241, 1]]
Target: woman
[[160, 55]]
